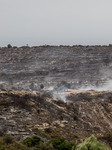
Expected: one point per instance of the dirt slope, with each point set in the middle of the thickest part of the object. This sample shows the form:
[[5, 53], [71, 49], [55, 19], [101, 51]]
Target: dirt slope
[[23, 114]]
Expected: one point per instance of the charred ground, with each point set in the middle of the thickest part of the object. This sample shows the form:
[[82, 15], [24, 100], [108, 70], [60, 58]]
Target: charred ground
[[65, 69], [24, 114], [29, 67]]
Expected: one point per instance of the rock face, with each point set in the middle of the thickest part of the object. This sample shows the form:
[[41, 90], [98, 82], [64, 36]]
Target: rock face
[[27, 68], [24, 114]]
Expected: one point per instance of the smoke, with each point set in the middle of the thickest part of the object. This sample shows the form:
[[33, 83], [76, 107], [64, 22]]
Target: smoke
[[106, 72], [105, 87], [58, 88], [104, 82], [59, 95], [58, 92], [106, 76]]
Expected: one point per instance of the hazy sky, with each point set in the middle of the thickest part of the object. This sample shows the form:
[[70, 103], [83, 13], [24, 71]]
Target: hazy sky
[[55, 22]]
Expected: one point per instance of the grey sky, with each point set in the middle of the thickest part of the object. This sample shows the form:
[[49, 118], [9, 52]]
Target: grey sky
[[55, 22]]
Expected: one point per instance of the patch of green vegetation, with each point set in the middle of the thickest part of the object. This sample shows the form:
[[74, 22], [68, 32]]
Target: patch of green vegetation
[[61, 144], [34, 141], [58, 143], [2, 148], [92, 143]]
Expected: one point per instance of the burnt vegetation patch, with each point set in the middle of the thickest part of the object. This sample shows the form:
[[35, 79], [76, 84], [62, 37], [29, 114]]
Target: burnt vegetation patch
[[25, 113]]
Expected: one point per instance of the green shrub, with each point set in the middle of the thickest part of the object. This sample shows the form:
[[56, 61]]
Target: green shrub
[[55, 142], [92, 143], [66, 146], [61, 144], [2, 148], [28, 142], [33, 141]]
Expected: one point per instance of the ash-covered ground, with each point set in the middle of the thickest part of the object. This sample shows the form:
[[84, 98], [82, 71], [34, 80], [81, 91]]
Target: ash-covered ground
[[43, 67], [24, 113], [50, 91]]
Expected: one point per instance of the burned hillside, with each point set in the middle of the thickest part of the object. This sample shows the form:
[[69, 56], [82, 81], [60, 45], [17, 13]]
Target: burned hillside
[[50, 91], [26, 68], [24, 114]]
